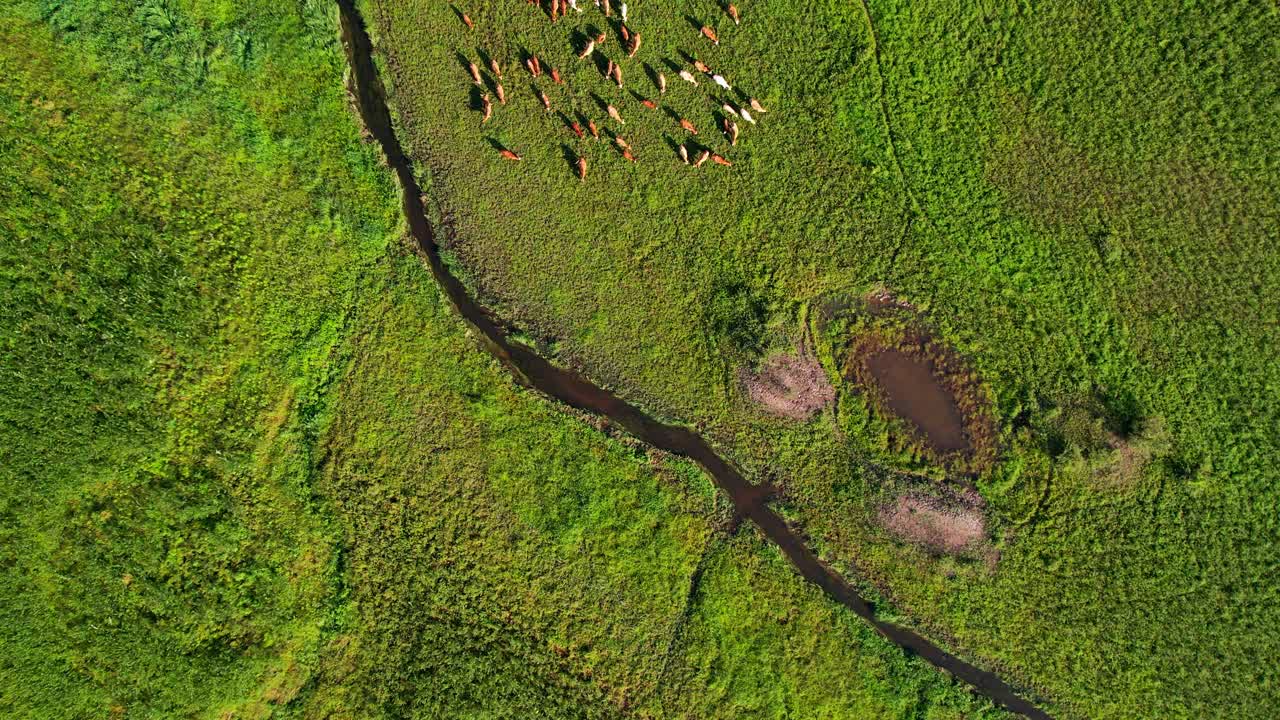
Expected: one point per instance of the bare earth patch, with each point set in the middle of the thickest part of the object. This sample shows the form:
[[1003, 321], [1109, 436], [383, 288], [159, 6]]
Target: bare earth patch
[[792, 385], [935, 524]]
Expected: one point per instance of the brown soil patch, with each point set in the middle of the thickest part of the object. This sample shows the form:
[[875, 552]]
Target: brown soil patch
[[926, 385], [792, 385], [935, 524], [913, 392]]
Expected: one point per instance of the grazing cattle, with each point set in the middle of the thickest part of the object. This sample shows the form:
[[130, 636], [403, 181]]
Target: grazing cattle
[[608, 9], [686, 75], [649, 104], [617, 74], [722, 82], [608, 70], [622, 144], [684, 154], [688, 126], [746, 115], [701, 67], [582, 168], [531, 64], [546, 102], [574, 4], [623, 10], [729, 109], [634, 45], [486, 107], [613, 113], [576, 128], [509, 155], [626, 153], [502, 95], [702, 157], [711, 35], [601, 38], [495, 69], [595, 131], [720, 160], [467, 21], [625, 32], [730, 129], [662, 84], [733, 12], [555, 77], [587, 49], [755, 105], [475, 73]]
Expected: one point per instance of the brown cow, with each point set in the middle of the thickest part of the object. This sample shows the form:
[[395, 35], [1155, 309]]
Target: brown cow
[[730, 129]]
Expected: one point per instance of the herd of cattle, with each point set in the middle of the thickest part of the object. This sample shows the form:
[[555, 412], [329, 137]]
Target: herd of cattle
[[589, 48]]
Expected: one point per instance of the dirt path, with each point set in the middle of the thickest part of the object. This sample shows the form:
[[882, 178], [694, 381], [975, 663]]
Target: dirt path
[[574, 390]]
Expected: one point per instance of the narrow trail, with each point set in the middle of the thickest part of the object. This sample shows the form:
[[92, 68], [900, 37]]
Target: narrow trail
[[914, 208], [568, 387]]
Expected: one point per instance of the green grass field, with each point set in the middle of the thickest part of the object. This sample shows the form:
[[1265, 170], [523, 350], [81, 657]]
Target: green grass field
[[1079, 197], [253, 466]]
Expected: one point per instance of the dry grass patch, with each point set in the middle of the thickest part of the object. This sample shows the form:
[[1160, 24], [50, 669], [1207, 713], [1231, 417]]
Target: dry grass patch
[[939, 526], [791, 385]]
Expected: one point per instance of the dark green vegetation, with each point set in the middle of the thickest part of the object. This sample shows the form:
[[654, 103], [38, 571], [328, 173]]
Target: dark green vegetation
[[251, 465], [1080, 197]]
